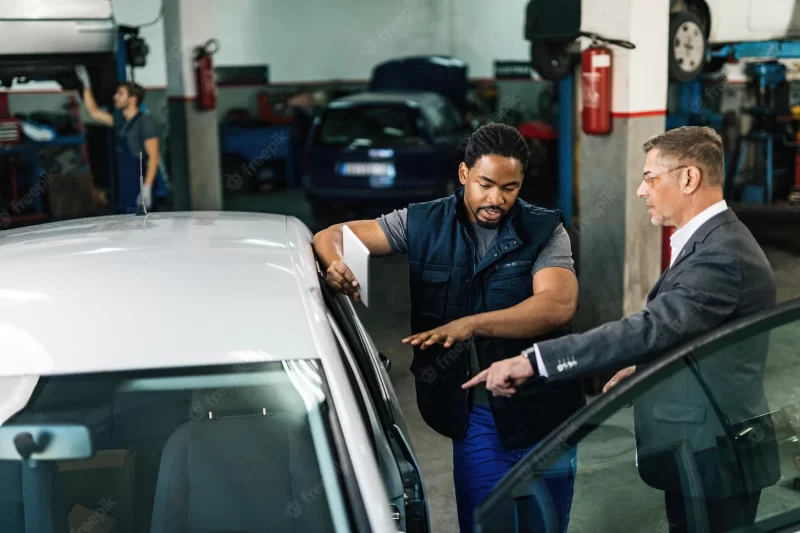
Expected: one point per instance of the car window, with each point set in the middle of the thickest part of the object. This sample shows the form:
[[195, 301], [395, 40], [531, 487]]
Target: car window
[[369, 125], [232, 447], [709, 431], [442, 117]]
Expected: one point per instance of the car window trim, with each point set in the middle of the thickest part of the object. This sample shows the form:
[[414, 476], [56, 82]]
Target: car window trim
[[390, 400], [356, 508], [384, 413], [371, 350], [381, 447], [576, 427], [373, 421]]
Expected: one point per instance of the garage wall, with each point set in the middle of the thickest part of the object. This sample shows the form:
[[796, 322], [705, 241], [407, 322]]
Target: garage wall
[[310, 40]]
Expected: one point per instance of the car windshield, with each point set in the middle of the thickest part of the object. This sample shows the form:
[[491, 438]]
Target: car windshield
[[231, 448], [369, 125]]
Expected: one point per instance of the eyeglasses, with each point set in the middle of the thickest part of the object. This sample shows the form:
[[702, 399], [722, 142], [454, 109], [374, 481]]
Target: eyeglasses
[[650, 180]]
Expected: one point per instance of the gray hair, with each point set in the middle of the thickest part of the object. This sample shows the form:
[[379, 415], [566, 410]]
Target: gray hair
[[692, 145]]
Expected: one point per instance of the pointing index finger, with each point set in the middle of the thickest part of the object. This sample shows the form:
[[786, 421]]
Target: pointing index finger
[[480, 378]]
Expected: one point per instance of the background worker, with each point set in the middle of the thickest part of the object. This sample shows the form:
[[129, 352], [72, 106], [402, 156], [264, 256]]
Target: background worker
[[136, 133], [488, 274], [718, 274]]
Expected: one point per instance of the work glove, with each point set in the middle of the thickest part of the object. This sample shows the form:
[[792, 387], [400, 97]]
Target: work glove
[[83, 76], [146, 197]]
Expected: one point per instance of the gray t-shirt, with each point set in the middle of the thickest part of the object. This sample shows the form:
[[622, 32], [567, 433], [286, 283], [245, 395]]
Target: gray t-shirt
[[136, 131], [556, 253]]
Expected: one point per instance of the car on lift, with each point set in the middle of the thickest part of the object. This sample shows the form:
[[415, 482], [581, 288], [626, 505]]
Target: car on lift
[[399, 142], [695, 28], [45, 40], [175, 369]]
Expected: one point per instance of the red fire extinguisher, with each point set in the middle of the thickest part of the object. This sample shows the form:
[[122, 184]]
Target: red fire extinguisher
[[204, 74], [596, 89]]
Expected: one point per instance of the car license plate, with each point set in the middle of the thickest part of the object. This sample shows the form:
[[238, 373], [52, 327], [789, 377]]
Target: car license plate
[[381, 182], [366, 169]]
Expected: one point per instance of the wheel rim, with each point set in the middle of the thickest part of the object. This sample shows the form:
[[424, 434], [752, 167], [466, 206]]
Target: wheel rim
[[689, 46]]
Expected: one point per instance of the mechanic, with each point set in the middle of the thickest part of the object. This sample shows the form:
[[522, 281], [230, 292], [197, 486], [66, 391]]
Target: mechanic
[[489, 273], [136, 134], [718, 274]]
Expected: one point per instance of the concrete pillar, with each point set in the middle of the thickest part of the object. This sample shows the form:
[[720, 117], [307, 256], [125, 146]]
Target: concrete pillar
[[620, 251], [194, 136]]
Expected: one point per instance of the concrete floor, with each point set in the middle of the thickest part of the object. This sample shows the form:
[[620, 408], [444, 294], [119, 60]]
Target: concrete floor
[[609, 494]]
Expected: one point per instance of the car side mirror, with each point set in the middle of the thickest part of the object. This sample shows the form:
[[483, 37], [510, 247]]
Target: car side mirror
[[387, 363]]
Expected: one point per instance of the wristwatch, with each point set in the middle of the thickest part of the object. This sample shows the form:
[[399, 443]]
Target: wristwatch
[[530, 354]]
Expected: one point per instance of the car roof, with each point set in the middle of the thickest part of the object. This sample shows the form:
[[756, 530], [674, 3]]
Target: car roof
[[163, 290], [388, 97]]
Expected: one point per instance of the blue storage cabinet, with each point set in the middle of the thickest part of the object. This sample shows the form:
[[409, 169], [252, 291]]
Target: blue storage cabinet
[[257, 149]]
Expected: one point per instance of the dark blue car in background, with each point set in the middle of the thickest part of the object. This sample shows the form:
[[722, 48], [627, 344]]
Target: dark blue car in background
[[400, 142]]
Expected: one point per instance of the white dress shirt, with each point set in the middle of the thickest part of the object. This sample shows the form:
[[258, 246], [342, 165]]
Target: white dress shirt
[[682, 236], [677, 242]]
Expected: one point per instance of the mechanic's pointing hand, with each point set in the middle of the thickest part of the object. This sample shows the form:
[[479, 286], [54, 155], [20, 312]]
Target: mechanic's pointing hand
[[503, 377], [340, 279], [456, 331]]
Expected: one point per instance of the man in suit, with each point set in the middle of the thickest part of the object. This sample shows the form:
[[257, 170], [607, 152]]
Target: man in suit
[[686, 425]]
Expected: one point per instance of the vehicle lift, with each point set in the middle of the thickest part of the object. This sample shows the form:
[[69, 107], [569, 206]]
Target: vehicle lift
[[132, 53], [769, 131]]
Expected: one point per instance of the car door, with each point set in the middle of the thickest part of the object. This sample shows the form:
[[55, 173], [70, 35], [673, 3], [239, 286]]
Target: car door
[[709, 429], [371, 368]]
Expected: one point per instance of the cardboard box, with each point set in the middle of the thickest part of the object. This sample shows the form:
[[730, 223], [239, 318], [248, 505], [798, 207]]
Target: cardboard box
[[85, 520], [104, 484]]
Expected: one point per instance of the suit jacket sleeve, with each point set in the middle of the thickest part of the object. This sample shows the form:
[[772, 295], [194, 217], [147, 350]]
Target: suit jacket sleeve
[[704, 295]]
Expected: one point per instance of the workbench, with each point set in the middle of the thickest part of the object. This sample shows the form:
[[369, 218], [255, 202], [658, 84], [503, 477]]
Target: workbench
[[29, 153]]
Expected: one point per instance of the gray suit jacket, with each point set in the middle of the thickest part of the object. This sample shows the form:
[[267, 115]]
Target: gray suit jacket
[[721, 275]]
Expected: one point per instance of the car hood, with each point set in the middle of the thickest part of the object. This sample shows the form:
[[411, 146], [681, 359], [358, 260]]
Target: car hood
[[445, 75]]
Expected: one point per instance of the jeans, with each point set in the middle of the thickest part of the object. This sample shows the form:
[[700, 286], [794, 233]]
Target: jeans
[[480, 462]]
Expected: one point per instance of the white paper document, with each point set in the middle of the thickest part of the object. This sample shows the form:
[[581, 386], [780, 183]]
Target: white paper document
[[356, 257]]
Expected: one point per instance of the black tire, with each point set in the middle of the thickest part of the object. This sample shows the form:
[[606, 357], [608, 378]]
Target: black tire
[[552, 60], [686, 32]]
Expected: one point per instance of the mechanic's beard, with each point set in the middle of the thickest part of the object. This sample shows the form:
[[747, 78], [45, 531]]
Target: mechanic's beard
[[490, 225], [482, 223]]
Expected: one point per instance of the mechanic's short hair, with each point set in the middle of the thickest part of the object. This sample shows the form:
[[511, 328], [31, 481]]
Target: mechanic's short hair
[[699, 146], [495, 138], [134, 89]]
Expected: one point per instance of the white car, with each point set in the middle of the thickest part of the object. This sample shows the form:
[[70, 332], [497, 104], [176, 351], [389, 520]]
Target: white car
[[193, 372], [696, 26], [188, 372]]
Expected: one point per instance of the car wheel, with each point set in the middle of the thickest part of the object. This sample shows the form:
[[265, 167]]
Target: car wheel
[[687, 47], [553, 61]]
